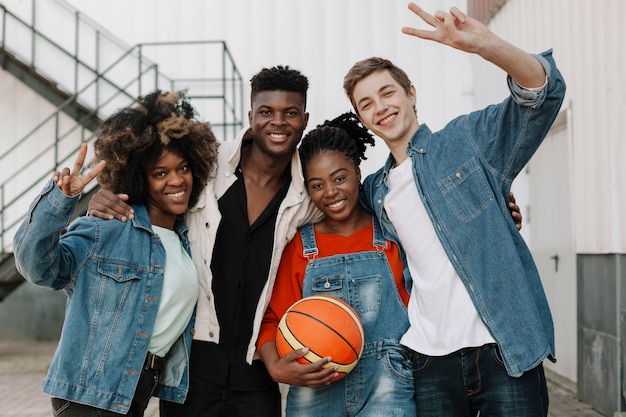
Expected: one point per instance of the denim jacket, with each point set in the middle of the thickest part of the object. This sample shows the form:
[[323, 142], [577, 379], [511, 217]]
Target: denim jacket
[[112, 274], [463, 174]]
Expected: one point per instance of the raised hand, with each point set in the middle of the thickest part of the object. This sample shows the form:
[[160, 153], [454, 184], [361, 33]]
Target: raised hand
[[456, 29], [453, 28], [69, 182]]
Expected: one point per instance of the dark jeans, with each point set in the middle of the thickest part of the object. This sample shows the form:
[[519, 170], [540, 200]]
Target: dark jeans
[[471, 380], [145, 388]]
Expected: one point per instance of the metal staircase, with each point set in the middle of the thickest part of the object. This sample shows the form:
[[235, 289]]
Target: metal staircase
[[87, 73]]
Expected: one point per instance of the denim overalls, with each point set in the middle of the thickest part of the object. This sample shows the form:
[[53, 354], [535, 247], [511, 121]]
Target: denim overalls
[[382, 382]]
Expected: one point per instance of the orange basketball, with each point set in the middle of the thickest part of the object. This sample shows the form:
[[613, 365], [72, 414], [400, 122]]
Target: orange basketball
[[326, 325]]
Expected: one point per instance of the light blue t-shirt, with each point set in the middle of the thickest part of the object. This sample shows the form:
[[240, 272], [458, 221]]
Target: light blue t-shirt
[[179, 295]]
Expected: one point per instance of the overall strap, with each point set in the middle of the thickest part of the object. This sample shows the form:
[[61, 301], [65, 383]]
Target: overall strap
[[379, 241], [307, 234]]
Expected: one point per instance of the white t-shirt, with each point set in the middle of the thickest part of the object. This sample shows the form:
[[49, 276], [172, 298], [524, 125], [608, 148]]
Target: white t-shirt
[[442, 317], [179, 295]]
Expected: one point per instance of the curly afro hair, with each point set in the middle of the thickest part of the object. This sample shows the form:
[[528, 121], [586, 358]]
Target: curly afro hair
[[133, 139], [279, 78], [344, 134]]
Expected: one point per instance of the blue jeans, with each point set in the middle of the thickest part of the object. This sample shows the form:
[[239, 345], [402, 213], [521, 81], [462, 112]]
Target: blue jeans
[[474, 379]]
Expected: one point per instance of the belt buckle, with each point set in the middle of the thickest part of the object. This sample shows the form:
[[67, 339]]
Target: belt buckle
[[154, 363]]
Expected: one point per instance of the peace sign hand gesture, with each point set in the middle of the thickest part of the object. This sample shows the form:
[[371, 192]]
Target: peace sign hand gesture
[[69, 182], [453, 28]]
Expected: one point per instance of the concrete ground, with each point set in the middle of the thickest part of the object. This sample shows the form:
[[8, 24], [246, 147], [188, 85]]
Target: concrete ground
[[23, 365]]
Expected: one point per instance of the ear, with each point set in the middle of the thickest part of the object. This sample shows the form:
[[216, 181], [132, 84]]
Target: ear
[[358, 174], [306, 119], [250, 118], [413, 95]]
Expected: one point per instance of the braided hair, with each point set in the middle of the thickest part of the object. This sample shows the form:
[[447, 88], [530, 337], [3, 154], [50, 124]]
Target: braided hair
[[344, 134], [133, 139]]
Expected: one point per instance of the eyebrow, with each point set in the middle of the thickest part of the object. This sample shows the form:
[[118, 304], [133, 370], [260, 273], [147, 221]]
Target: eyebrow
[[178, 165], [379, 91], [267, 106], [335, 172]]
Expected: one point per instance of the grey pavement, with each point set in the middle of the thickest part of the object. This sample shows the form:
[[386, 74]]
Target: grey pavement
[[23, 365]]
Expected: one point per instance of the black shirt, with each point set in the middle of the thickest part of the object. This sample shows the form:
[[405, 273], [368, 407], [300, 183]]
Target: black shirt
[[240, 266]]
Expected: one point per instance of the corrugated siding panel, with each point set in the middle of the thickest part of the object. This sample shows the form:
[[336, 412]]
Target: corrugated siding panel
[[585, 36], [483, 9]]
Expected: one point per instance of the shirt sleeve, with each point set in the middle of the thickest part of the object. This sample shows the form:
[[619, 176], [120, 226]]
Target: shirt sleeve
[[44, 255], [530, 97], [287, 289]]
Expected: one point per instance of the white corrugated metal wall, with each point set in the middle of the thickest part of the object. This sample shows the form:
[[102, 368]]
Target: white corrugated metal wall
[[588, 38]]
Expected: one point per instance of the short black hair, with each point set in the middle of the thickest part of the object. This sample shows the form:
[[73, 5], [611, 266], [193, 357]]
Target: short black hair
[[279, 78], [133, 139]]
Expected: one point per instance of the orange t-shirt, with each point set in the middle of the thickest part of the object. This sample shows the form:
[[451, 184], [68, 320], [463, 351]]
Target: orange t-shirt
[[288, 285]]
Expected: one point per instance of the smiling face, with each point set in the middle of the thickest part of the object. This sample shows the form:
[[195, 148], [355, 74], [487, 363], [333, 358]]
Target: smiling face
[[386, 108], [333, 183], [169, 183], [278, 119]]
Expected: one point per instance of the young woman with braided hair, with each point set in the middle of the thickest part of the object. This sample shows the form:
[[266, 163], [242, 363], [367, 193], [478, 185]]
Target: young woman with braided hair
[[348, 242], [131, 287]]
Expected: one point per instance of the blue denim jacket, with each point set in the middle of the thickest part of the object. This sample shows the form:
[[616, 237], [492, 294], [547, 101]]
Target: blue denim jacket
[[112, 274], [463, 174]]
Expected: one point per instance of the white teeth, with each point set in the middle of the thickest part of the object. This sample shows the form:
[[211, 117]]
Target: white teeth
[[387, 119], [176, 195], [278, 135], [337, 204]]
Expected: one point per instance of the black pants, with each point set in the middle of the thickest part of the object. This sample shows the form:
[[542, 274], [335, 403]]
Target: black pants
[[206, 399]]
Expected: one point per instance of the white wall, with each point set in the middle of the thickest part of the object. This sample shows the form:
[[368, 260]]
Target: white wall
[[588, 38]]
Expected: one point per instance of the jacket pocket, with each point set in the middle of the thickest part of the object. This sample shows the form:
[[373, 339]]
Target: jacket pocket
[[467, 191], [115, 287]]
